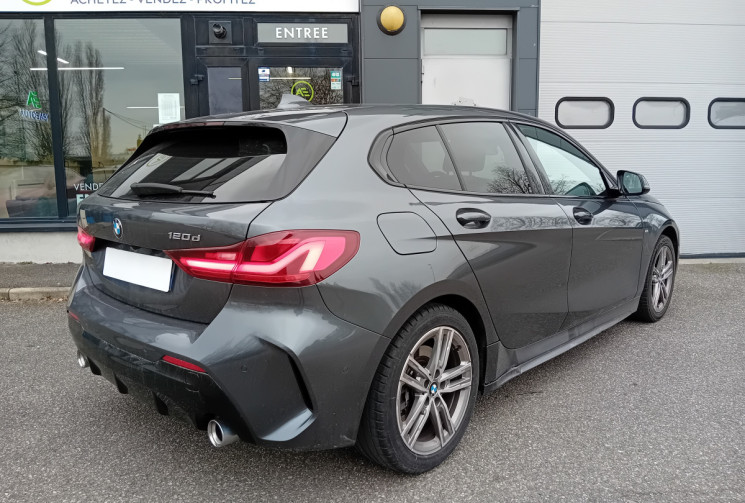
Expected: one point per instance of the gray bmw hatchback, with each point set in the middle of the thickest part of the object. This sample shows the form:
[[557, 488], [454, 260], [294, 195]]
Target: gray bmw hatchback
[[312, 278]]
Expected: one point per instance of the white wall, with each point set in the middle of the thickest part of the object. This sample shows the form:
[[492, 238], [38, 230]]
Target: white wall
[[627, 49], [40, 247]]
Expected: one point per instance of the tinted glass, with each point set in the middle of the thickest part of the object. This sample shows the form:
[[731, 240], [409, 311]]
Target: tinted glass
[[584, 113], [570, 172], [226, 90], [236, 164], [418, 157], [27, 184], [727, 113], [486, 158]]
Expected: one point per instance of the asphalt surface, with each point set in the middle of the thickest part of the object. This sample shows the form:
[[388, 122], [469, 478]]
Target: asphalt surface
[[638, 413]]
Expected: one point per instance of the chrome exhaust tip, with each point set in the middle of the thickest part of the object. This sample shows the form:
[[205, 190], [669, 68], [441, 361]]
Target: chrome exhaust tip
[[82, 360], [220, 433]]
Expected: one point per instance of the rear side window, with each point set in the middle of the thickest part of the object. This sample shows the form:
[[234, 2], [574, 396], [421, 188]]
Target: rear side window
[[486, 158], [234, 164], [418, 157], [570, 172]]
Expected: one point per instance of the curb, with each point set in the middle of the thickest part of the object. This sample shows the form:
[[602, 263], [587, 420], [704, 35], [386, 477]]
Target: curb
[[34, 293]]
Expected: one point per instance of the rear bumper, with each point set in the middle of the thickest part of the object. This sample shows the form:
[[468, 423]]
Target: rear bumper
[[281, 370]]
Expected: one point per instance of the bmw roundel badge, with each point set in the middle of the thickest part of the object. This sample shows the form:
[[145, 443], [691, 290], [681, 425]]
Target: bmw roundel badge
[[118, 227]]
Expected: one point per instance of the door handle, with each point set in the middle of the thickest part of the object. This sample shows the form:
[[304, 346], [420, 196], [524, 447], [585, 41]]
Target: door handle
[[582, 216], [472, 219]]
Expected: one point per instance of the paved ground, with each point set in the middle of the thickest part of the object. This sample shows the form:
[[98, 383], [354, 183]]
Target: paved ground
[[639, 413], [36, 275]]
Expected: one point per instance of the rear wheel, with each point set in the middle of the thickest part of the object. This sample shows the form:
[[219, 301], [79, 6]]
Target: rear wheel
[[658, 286], [423, 393]]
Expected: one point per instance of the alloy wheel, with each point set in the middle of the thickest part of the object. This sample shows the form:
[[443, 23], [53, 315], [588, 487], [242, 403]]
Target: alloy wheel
[[434, 390], [662, 278]]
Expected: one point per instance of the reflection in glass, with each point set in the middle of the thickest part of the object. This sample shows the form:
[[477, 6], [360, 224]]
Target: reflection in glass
[[320, 86], [124, 77], [27, 185], [728, 114]]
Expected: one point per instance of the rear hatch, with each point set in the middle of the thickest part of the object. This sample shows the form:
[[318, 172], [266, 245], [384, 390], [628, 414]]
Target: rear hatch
[[189, 187]]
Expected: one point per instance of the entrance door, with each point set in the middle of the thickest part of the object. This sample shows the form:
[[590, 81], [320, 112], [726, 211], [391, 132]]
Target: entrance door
[[466, 60]]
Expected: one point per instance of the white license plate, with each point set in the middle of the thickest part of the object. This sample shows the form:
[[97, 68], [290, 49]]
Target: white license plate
[[144, 270]]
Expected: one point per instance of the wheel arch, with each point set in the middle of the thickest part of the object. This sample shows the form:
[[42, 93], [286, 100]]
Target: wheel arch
[[672, 233], [458, 297]]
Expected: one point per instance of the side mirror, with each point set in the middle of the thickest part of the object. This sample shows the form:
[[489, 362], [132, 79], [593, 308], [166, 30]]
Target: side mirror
[[632, 184]]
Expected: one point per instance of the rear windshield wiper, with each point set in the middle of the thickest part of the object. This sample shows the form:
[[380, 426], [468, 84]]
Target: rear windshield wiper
[[165, 189]]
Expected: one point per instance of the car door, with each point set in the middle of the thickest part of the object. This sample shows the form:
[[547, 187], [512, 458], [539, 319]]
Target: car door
[[516, 239], [608, 231]]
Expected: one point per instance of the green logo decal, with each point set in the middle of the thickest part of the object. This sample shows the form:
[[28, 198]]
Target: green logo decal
[[33, 100], [37, 3], [303, 89]]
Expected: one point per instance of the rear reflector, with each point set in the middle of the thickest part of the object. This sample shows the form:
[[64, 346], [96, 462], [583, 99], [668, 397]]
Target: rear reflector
[[182, 364], [285, 258], [86, 241]]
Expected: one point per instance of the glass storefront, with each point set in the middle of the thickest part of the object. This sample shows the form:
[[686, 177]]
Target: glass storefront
[[124, 77], [320, 86], [117, 75], [27, 182]]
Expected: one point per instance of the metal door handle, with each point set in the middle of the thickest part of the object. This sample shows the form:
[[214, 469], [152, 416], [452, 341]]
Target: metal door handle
[[472, 219], [582, 216]]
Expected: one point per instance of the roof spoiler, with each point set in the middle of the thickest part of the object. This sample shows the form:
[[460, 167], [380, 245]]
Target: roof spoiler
[[290, 101]]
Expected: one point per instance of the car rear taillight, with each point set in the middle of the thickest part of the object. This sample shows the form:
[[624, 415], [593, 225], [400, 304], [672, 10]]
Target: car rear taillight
[[285, 258], [86, 241]]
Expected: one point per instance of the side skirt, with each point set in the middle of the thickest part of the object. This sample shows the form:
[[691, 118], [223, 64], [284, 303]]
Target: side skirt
[[518, 361]]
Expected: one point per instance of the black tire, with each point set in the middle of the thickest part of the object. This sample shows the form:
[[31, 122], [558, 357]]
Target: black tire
[[392, 401], [651, 309]]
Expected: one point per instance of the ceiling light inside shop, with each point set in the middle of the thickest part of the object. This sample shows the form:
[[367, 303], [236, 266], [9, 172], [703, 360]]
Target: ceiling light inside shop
[[58, 59], [80, 68]]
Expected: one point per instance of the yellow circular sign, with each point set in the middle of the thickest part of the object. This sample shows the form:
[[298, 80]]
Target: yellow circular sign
[[37, 3], [303, 89]]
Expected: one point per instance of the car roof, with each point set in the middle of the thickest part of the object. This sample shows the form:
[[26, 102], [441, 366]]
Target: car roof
[[391, 115]]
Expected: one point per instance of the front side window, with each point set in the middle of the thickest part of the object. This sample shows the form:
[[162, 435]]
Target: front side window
[[418, 157], [486, 158], [27, 183], [570, 172]]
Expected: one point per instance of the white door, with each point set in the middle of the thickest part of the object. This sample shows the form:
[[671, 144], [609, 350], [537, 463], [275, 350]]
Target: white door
[[466, 60]]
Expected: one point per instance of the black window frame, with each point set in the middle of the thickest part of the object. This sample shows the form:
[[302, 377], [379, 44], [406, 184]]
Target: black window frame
[[662, 98], [377, 156], [610, 181], [609, 101], [726, 100]]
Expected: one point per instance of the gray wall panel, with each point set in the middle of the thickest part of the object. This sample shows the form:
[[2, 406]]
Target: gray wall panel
[[391, 81]]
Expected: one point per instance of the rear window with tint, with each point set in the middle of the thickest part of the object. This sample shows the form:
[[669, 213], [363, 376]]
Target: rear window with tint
[[234, 163]]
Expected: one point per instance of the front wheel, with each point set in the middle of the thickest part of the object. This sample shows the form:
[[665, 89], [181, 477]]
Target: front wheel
[[658, 285], [423, 393]]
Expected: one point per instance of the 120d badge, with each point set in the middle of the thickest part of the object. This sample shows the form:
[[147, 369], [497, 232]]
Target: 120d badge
[[183, 236]]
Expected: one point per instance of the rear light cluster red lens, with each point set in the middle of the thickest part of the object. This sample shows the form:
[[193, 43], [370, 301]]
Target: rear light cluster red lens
[[183, 364], [86, 241], [285, 258]]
